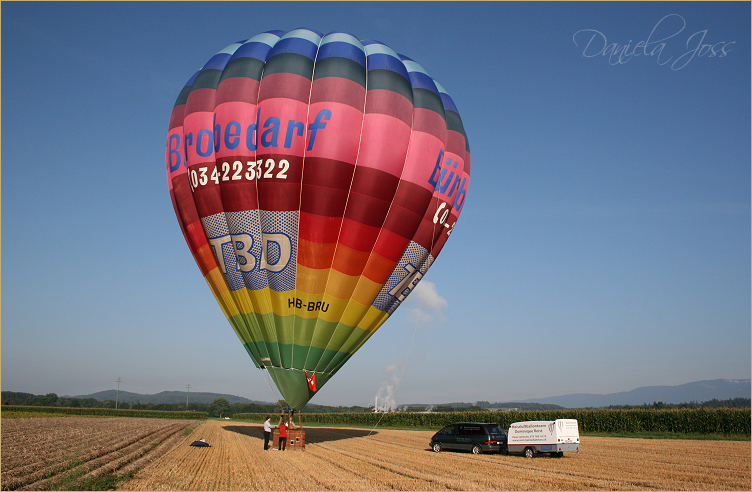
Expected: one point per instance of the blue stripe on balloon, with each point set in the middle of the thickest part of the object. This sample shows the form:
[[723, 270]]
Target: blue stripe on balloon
[[446, 100], [295, 45], [312, 35], [259, 51], [342, 50], [341, 37], [192, 79], [217, 62], [386, 62], [420, 80]]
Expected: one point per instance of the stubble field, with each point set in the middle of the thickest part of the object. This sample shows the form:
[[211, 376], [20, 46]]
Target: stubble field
[[43, 453], [357, 459]]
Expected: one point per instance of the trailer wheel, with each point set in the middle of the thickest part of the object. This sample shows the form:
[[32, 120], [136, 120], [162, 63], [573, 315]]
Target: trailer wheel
[[476, 449], [436, 447], [529, 452]]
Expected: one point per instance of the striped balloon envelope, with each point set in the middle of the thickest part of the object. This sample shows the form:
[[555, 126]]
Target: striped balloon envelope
[[315, 178]]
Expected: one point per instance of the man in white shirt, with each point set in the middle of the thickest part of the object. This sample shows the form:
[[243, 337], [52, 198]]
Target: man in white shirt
[[267, 432]]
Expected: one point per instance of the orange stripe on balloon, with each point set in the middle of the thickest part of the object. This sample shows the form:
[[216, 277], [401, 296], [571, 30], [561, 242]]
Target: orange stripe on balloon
[[315, 255], [350, 261]]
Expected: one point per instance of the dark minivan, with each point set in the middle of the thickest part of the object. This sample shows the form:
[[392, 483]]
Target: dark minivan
[[470, 436]]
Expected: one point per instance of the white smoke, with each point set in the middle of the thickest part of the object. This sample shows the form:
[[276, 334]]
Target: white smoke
[[385, 396], [425, 303]]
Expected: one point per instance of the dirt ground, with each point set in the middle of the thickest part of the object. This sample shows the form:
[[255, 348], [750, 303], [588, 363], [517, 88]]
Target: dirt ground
[[357, 459]]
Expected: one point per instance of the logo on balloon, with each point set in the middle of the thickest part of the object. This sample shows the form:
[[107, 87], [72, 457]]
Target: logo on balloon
[[246, 261], [234, 134]]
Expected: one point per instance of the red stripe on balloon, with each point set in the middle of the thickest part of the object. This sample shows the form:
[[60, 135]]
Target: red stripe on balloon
[[381, 101], [318, 228], [367, 209], [285, 85], [238, 89], [176, 117], [200, 100], [358, 236], [390, 245], [339, 90]]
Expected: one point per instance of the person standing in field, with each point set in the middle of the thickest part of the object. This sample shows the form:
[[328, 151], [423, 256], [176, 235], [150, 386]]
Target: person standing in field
[[282, 436], [267, 432]]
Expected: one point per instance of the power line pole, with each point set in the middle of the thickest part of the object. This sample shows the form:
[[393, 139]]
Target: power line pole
[[188, 387], [118, 393]]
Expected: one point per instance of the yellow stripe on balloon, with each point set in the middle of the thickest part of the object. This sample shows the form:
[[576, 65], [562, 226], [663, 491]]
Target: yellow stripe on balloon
[[354, 313], [366, 291], [221, 292], [373, 319], [341, 285], [311, 280], [260, 299], [334, 308], [282, 303]]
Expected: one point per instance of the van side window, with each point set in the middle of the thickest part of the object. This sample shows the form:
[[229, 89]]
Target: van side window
[[449, 429], [470, 429]]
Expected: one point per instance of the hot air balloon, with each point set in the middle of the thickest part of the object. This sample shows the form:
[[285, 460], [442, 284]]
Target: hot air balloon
[[315, 179]]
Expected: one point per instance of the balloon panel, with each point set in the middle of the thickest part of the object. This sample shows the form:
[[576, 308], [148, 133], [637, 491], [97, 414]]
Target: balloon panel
[[315, 179]]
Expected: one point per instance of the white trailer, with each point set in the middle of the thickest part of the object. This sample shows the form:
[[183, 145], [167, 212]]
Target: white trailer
[[544, 436]]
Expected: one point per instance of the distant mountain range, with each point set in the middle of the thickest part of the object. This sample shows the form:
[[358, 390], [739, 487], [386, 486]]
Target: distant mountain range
[[700, 391], [165, 397]]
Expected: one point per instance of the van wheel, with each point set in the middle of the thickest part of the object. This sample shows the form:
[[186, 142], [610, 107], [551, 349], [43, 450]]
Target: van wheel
[[476, 449], [436, 447], [529, 452]]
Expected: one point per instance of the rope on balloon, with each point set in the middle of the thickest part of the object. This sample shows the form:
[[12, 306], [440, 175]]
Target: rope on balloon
[[415, 328], [271, 387]]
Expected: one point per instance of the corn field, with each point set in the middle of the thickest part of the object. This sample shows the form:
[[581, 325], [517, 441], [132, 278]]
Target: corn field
[[728, 421], [106, 412]]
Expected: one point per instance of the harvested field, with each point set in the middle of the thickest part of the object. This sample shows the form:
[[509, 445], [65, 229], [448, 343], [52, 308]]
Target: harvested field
[[350, 459], [40, 453]]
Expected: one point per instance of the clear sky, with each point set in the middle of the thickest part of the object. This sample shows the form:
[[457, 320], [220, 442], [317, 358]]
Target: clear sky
[[604, 244]]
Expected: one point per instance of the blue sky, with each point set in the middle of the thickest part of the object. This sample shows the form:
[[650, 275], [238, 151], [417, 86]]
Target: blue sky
[[604, 244]]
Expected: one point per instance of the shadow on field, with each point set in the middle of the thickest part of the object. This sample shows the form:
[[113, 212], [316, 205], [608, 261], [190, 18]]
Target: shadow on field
[[313, 434]]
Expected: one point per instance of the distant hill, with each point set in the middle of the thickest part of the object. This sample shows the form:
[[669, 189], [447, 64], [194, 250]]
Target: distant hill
[[699, 391], [165, 397]]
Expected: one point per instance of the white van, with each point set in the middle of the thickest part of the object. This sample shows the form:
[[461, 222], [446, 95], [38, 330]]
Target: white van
[[544, 436]]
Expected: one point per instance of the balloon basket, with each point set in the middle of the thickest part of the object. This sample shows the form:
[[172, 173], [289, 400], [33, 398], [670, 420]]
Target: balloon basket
[[295, 439]]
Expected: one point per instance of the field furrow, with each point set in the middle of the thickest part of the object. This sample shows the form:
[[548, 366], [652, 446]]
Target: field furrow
[[345, 459], [39, 453], [355, 459]]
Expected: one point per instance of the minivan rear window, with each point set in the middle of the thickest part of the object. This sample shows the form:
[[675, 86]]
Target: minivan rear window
[[495, 429]]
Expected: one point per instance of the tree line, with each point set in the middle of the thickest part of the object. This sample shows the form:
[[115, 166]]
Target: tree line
[[221, 407], [714, 403]]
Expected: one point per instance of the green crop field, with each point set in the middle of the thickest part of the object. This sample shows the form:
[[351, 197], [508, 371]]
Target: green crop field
[[719, 421], [10, 411]]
